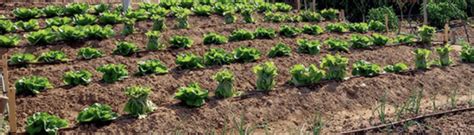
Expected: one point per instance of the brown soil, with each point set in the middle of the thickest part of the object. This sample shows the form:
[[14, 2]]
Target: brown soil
[[344, 105]]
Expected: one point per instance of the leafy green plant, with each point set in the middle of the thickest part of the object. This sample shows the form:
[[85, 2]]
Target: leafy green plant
[[359, 27], [214, 38], [266, 74], [97, 113], [405, 39], [110, 18], [187, 3], [26, 13], [148, 6], [240, 35], [138, 15], [193, 95], [246, 54], [159, 11], [335, 66], [309, 47], [129, 26], [126, 49], [138, 104], [247, 15], [32, 85], [379, 39], [360, 41], [58, 21], [158, 23], [181, 42], [378, 14], [53, 10], [74, 78], [229, 17], [182, 19], [9, 40], [443, 53], [44, 123], [293, 18], [397, 68], [364, 68], [426, 33], [217, 56], [41, 37], [310, 16], [84, 19], [337, 44], [283, 7], [301, 75], [189, 61], [221, 8], [29, 25], [88, 53], [225, 89], [22, 59], [377, 26], [279, 50], [467, 53], [101, 8], [421, 59], [76, 8], [99, 32], [153, 41], [337, 27], [52, 57], [265, 33], [312, 29], [151, 67], [70, 33], [202, 10], [289, 31], [275, 17], [6, 26], [329, 14], [113, 72], [265, 7], [442, 12]]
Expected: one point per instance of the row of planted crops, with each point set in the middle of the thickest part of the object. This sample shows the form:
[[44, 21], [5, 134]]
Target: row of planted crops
[[78, 21]]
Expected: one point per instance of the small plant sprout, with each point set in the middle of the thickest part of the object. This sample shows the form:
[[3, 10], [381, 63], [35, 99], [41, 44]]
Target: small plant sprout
[[467, 53], [443, 53], [335, 66], [154, 41], [266, 74], [193, 95], [158, 23], [426, 33], [421, 59], [138, 104], [225, 89]]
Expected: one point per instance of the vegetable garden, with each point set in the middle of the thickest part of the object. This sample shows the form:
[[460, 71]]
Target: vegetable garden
[[201, 67]]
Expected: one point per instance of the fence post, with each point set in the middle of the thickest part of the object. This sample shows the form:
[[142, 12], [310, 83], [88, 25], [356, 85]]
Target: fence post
[[342, 17], [298, 5], [11, 97], [386, 23], [425, 13], [446, 33]]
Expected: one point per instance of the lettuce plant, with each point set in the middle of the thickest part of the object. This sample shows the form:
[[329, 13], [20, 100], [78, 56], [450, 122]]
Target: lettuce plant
[[113, 72], [110, 18], [265, 33], [148, 6], [240, 35], [53, 10], [88, 53], [426, 33], [187, 4], [274, 17], [309, 47], [229, 17], [421, 59], [41, 37], [337, 45], [279, 50], [189, 61], [335, 66], [128, 27], [53, 57], [69, 33], [301, 75], [138, 15], [289, 31], [76, 8], [101, 8], [247, 15], [158, 23], [376, 26], [397, 68], [337, 27], [32, 85], [202, 10], [151, 67], [126, 49], [406, 39], [246, 54], [283, 7], [99, 32], [182, 19], [84, 19], [193, 95], [58, 21], [225, 89], [359, 27], [159, 11], [154, 41], [364, 68], [9, 40], [44, 123], [266, 74], [310, 16], [266, 7], [74, 78], [220, 8], [467, 53], [312, 29], [29, 25], [443, 53], [22, 59], [181, 42], [360, 41], [379, 39], [6, 26], [169, 4], [214, 38], [293, 18], [217, 56], [138, 104], [26, 13], [329, 14], [97, 113]]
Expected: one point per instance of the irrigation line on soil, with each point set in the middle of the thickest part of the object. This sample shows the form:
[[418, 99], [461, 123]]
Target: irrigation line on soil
[[406, 120]]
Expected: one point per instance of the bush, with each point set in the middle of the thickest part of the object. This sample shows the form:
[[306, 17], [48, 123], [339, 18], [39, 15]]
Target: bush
[[337, 45], [22, 59], [376, 26], [88, 53], [467, 53], [6, 26], [58, 21], [217, 56], [312, 29], [53, 10], [125, 49], [443, 53], [364, 68], [41, 37], [214, 38], [151, 67], [264, 33], [52, 57], [266, 74], [76, 8], [406, 39], [440, 13], [113, 72], [138, 104], [283, 7], [335, 66], [421, 59], [181, 42], [29, 25], [99, 32], [360, 41], [426, 33], [69, 33], [246, 54], [225, 89], [397, 68], [337, 27], [310, 16], [9, 41], [110, 18], [308, 47], [289, 31], [32, 85], [247, 15], [97, 113], [189, 61], [84, 19], [74, 78], [330, 14], [158, 23], [359, 27], [378, 14], [379, 39], [153, 41], [138, 15], [26, 13], [202, 10], [301, 75], [44, 123], [280, 50], [240, 35], [193, 95]]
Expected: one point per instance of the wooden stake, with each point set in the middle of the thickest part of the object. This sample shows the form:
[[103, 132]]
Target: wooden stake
[[386, 23], [298, 5], [425, 12], [313, 5], [342, 17], [446, 33], [11, 97]]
